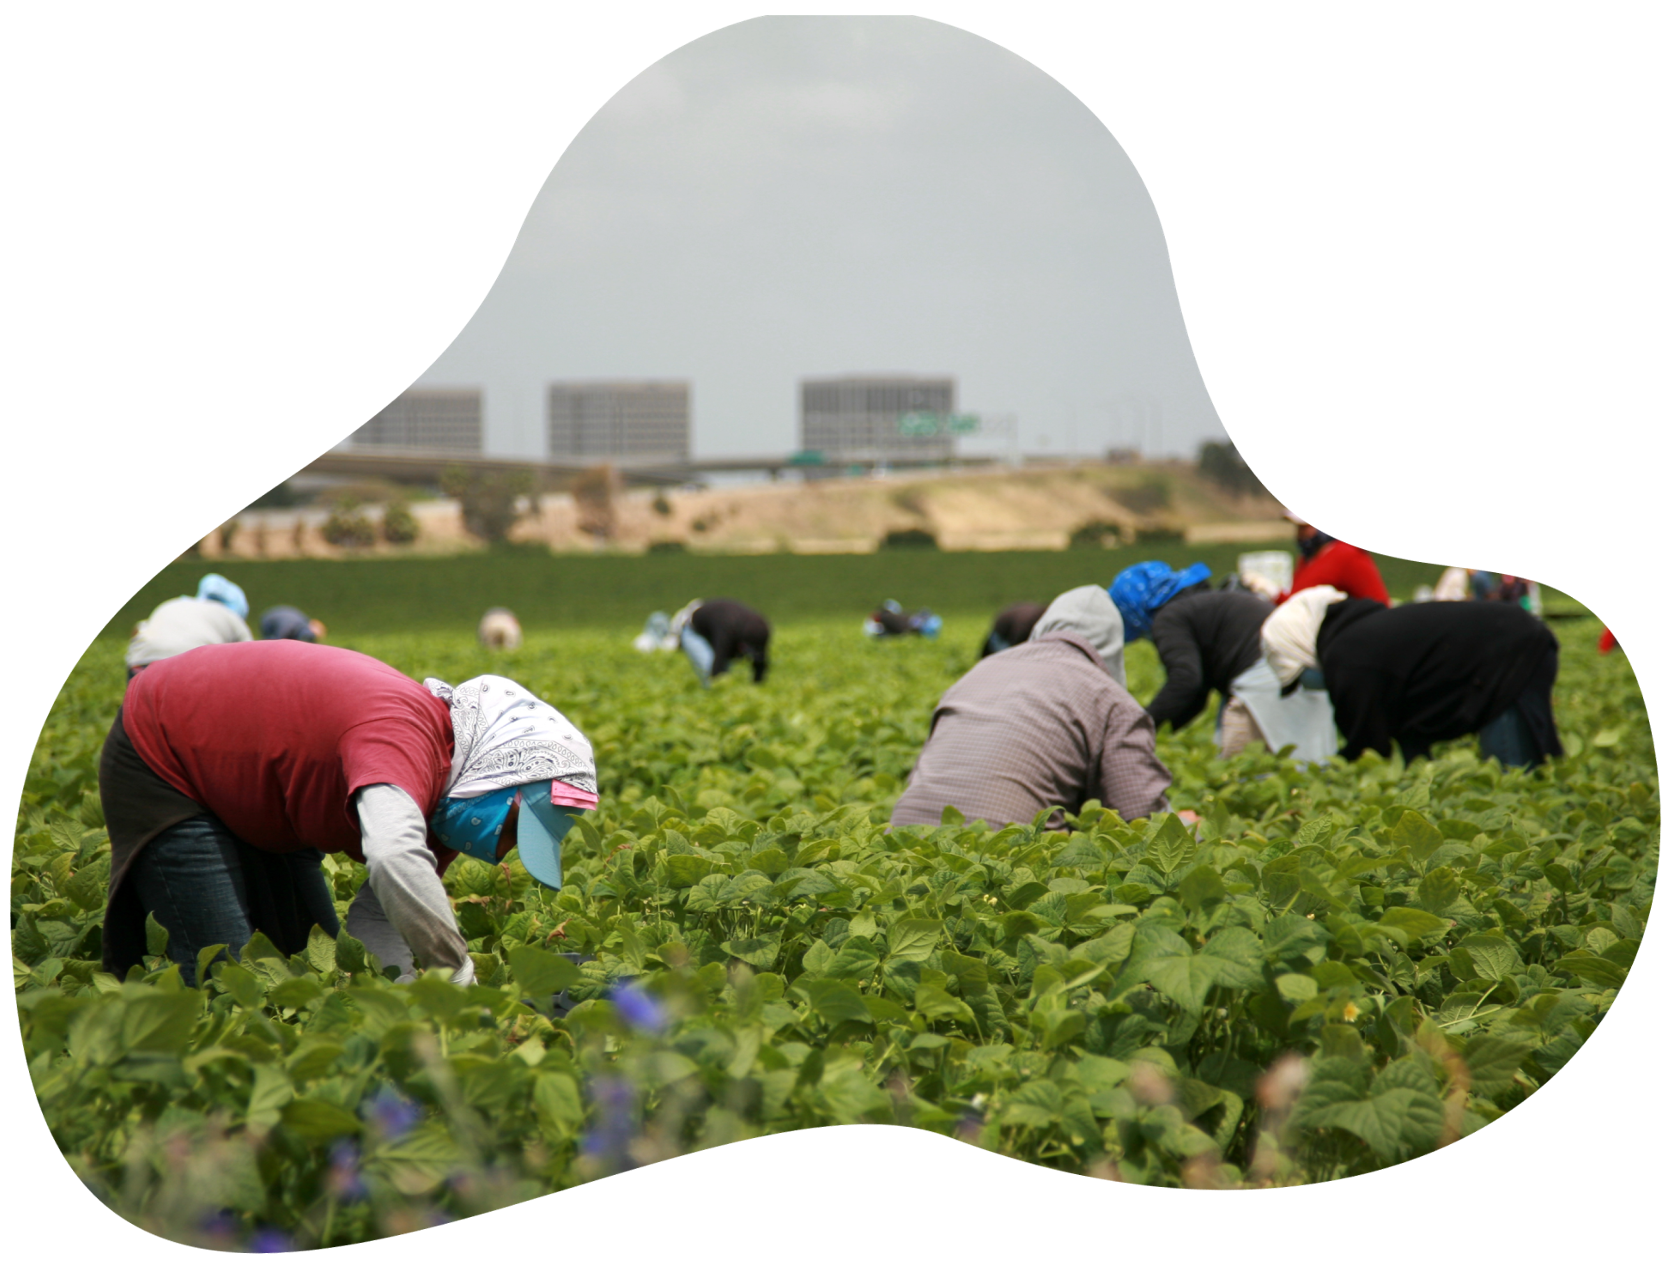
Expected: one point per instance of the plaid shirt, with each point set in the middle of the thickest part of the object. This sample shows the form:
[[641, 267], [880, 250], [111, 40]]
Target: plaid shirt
[[1041, 724]]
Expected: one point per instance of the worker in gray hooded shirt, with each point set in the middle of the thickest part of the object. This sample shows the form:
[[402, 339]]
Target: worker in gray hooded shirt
[[1045, 723]]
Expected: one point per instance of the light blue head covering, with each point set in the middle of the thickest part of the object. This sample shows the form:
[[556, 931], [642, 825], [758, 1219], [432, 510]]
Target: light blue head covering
[[228, 593], [1143, 589]]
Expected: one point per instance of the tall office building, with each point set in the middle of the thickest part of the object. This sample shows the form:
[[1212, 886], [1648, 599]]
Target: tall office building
[[426, 419], [857, 418], [628, 422]]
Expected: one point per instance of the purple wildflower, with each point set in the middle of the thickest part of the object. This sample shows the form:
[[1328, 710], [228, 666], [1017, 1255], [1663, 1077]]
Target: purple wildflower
[[638, 1008], [343, 1180], [609, 1139], [392, 1114], [270, 1240]]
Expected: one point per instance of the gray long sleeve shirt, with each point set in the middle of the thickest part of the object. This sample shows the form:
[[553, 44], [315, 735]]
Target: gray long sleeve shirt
[[1041, 724], [401, 912]]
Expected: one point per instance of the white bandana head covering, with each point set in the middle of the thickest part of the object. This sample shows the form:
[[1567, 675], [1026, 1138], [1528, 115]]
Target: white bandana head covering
[[1090, 613], [503, 735], [1290, 632]]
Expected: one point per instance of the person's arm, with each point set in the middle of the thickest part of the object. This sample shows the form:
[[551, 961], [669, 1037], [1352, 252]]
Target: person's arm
[[1185, 692], [403, 906], [1133, 781]]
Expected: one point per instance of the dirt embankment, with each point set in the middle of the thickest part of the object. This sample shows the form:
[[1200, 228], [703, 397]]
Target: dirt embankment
[[985, 510]]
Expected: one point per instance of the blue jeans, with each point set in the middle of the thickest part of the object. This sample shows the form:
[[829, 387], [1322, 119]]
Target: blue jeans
[[1508, 740], [700, 653], [206, 887]]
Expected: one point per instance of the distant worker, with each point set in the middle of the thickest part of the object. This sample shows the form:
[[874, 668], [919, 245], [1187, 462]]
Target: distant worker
[[656, 635], [1046, 723], [713, 633], [1329, 562], [1210, 641], [1423, 673], [890, 620], [1012, 626], [499, 629], [286, 622], [215, 615]]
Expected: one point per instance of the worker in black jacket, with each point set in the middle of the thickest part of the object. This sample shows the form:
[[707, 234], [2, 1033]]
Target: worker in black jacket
[[713, 633], [1206, 640]]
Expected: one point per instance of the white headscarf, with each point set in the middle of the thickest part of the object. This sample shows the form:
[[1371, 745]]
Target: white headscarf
[[1090, 613], [503, 735], [1290, 632]]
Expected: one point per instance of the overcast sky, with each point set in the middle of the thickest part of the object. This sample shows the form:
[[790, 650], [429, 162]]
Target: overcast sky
[[795, 197]]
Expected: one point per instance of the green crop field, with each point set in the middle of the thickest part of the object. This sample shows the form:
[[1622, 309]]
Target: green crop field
[[552, 591], [1343, 969]]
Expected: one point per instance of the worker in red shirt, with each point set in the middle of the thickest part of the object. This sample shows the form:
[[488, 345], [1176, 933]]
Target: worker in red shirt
[[1329, 562]]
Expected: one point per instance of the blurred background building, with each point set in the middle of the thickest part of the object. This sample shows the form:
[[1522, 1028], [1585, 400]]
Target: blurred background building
[[426, 418], [863, 418], [625, 422]]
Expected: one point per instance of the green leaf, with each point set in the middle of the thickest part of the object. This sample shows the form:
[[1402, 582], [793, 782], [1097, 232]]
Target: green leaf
[[1296, 987], [1492, 957], [160, 1021], [1439, 890], [912, 940], [268, 1094], [315, 1121], [759, 952], [1171, 847], [1418, 834], [1592, 968], [1413, 922], [1493, 1062], [1201, 887], [818, 956], [156, 937], [350, 953], [540, 973], [834, 1001], [937, 1004], [557, 1103]]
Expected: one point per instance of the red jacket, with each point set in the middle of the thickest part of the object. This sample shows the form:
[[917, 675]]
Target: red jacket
[[1344, 566]]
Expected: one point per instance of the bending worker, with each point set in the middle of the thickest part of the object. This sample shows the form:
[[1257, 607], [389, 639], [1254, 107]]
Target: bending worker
[[1329, 562], [286, 622], [1423, 673], [1012, 626], [231, 770], [215, 615], [713, 633], [1046, 723], [1211, 641]]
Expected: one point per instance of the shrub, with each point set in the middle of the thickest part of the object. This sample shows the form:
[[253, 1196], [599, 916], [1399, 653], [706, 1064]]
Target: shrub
[[1096, 534], [1149, 495], [1159, 534], [398, 525], [912, 537], [593, 494], [490, 499], [668, 545], [661, 504], [1222, 464], [347, 527]]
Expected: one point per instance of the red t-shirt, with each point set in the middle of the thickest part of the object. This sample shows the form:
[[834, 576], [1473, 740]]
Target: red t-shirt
[[1344, 566], [275, 736]]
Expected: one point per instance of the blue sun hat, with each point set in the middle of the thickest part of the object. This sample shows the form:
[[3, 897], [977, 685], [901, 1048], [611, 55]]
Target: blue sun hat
[[1145, 588], [228, 593]]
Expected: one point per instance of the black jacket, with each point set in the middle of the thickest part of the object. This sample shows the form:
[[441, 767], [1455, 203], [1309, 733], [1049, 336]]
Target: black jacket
[[1012, 626], [734, 631], [1204, 639], [1417, 674]]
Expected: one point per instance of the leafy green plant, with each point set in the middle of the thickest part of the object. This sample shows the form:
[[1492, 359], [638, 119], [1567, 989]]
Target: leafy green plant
[[347, 527], [398, 523], [489, 499], [1335, 971]]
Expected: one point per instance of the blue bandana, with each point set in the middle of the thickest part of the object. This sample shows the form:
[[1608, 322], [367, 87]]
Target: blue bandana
[[1143, 589], [472, 826], [228, 593]]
